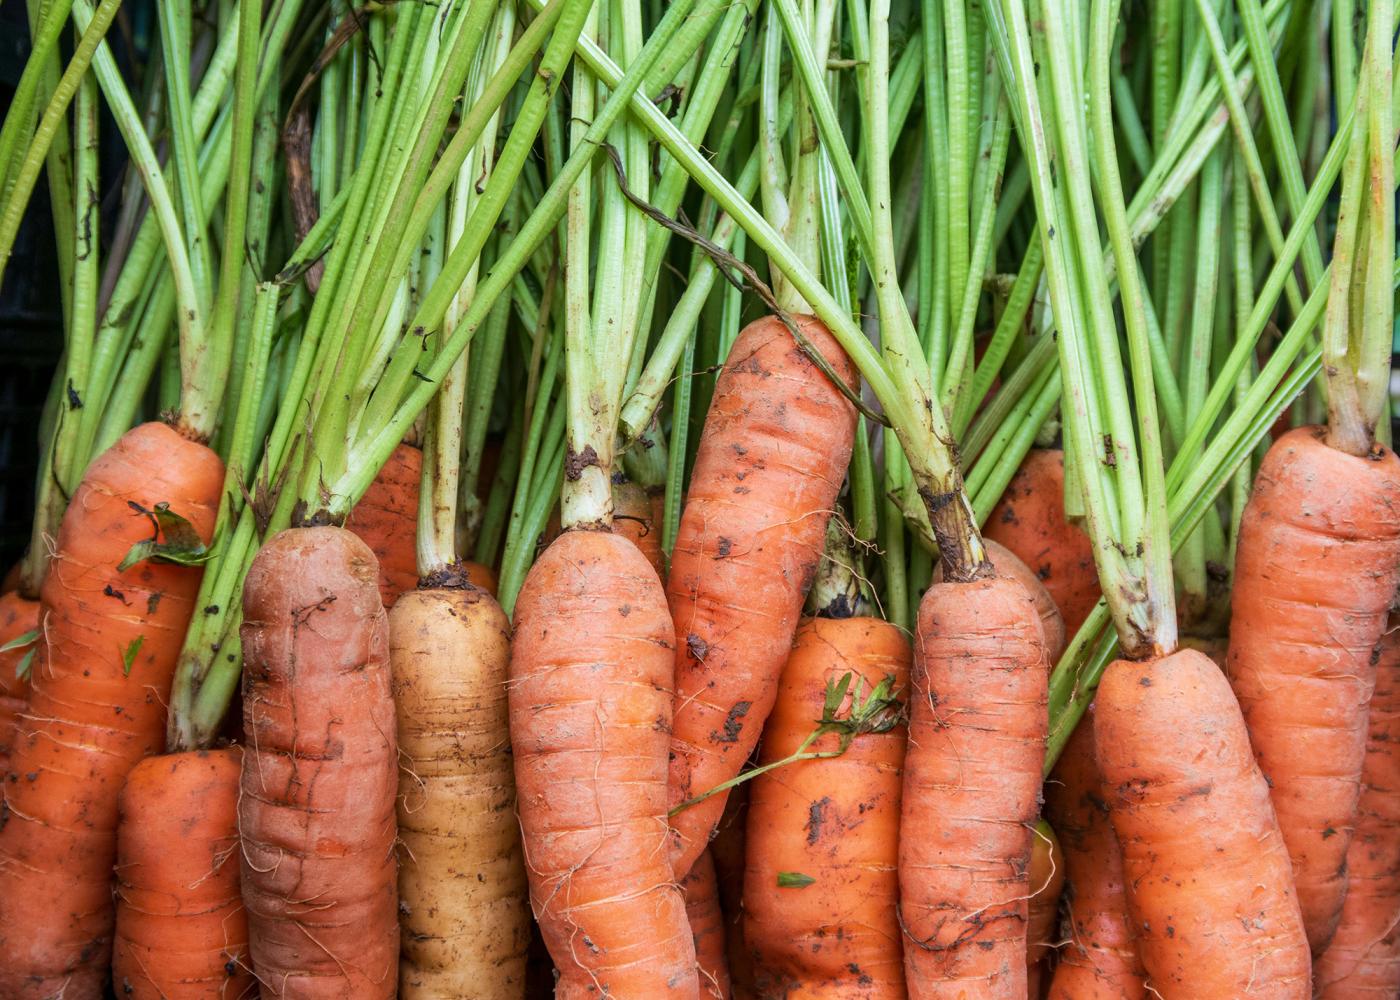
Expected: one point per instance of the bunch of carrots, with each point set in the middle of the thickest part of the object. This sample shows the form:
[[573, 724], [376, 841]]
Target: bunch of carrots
[[636, 500]]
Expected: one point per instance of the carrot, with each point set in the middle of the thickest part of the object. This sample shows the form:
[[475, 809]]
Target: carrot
[[1030, 521], [1208, 878], [1047, 882], [1318, 563], [1363, 959], [971, 788], [100, 681], [637, 516], [707, 928], [464, 925], [590, 720], [771, 460], [181, 931], [1100, 958], [727, 849], [18, 617], [13, 577], [823, 836], [1007, 563], [386, 519], [320, 773]]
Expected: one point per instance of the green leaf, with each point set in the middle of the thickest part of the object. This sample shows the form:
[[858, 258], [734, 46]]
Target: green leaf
[[129, 657], [794, 880], [182, 544], [23, 667], [20, 641]]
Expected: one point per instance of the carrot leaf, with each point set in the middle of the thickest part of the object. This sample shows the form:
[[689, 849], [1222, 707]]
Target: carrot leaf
[[182, 543], [130, 653], [794, 880], [20, 641], [23, 667]]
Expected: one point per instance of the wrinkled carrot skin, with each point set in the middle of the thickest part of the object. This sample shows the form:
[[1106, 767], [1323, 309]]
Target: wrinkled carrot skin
[[320, 772], [977, 730], [464, 923], [1209, 883], [1100, 958], [89, 719], [181, 931], [17, 616], [834, 820], [707, 928], [1007, 563], [728, 850], [1317, 566], [637, 516], [1030, 521], [386, 519], [590, 720], [770, 464], [1363, 960], [1047, 883]]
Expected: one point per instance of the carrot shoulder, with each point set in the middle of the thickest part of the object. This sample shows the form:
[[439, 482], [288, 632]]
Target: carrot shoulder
[[1317, 566], [100, 682], [1100, 958], [971, 789], [320, 771], [707, 928], [590, 720], [462, 913], [1030, 521], [181, 931], [1209, 884], [1363, 960], [832, 821], [770, 464], [386, 519]]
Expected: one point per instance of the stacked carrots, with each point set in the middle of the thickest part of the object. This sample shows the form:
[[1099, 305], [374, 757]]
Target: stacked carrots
[[440, 583]]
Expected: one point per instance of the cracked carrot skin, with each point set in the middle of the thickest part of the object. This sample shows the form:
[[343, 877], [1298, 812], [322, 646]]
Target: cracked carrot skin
[[835, 820], [320, 772], [590, 723], [464, 924], [181, 932], [386, 519], [18, 615], [770, 464], [1030, 521], [972, 781], [1363, 960], [1100, 958], [91, 719], [1209, 883], [1318, 564], [707, 928]]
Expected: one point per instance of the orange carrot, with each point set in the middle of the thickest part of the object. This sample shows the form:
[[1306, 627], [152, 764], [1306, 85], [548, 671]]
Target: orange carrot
[[770, 463], [590, 721], [1208, 877], [1363, 960], [728, 851], [181, 931], [464, 925], [1317, 566], [1030, 521], [637, 517], [386, 519], [823, 835], [1007, 563], [971, 789], [1100, 958], [707, 928], [1047, 882], [13, 576], [100, 681], [18, 617], [320, 772]]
